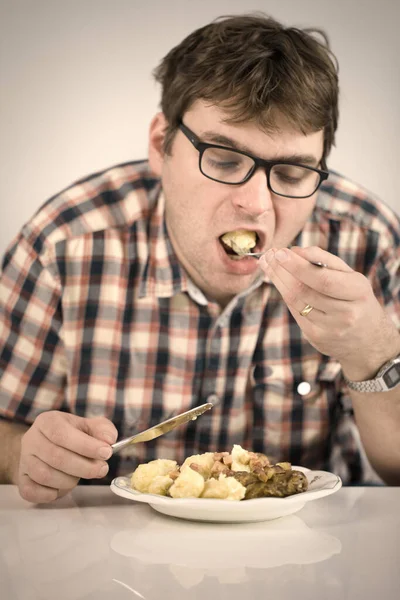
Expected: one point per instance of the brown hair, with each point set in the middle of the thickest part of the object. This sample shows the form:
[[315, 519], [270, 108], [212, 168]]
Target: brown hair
[[252, 66]]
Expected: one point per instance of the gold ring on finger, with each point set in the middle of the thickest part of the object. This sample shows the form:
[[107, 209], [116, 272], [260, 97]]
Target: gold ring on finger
[[306, 310]]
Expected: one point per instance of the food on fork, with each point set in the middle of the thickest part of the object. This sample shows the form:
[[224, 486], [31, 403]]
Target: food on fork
[[240, 241], [239, 475]]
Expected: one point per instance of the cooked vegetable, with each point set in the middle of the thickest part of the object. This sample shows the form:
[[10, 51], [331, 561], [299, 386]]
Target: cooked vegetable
[[239, 475], [241, 241]]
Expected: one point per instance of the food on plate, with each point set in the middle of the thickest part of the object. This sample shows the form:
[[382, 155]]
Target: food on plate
[[189, 483], [225, 488], [145, 475], [204, 463], [238, 475], [240, 241], [279, 485]]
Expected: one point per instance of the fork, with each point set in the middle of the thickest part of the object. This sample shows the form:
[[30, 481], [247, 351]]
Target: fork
[[260, 254]]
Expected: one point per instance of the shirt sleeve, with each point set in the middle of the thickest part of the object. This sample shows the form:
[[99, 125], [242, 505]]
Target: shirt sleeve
[[351, 461], [386, 283], [32, 356]]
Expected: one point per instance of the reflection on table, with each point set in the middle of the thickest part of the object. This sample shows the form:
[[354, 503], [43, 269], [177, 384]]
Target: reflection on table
[[201, 549], [92, 544]]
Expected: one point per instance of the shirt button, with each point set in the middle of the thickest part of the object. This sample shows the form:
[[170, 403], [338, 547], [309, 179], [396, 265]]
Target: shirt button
[[304, 388], [308, 391]]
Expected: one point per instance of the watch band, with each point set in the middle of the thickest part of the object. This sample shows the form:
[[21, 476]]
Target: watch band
[[387, 378], [367, 386]]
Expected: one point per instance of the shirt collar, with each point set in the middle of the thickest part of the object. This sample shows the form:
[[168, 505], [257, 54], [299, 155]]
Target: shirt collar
[[162, 276]]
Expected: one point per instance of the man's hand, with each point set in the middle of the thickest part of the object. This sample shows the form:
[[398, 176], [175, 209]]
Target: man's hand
[[346, 322], [59, 449]]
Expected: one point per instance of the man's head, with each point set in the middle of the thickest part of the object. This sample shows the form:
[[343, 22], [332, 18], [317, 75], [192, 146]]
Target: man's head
[[253, 67], [249, 84]]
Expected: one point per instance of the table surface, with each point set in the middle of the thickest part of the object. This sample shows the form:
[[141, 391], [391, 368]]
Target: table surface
[[95, 545]]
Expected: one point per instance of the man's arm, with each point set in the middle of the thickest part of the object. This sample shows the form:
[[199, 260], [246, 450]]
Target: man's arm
[[10, 450], [377, 415], [378, 420], [348, 323]]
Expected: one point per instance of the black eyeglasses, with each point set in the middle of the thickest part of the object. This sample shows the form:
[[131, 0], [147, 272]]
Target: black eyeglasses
[[234, 167]]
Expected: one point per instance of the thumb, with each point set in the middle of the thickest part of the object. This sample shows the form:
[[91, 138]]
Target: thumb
[[102, 429]]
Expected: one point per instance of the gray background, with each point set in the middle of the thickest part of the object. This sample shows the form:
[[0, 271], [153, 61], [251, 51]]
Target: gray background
[[77, 92]]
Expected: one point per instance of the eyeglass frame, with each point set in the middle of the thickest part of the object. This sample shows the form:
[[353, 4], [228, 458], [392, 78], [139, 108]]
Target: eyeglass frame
[[267, 165]]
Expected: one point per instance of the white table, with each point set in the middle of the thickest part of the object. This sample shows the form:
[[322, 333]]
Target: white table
[[95, 545]]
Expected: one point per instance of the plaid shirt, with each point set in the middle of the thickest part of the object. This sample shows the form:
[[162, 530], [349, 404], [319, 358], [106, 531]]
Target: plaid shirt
[[97, 317]]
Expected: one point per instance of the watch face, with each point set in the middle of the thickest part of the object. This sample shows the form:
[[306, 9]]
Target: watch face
[[392, 376]]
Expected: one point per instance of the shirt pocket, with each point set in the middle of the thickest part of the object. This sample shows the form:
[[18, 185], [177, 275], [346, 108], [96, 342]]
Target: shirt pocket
[[318, 395], [300, 406]]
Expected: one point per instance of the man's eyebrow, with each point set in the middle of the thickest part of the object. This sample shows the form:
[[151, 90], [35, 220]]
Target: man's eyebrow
[[223, 140]]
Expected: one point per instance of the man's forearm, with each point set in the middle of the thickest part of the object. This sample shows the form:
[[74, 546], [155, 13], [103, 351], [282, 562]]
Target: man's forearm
[[378, 420], [10, 449]]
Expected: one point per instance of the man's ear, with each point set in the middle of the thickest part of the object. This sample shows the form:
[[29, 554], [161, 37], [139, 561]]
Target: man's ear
[[156, 142]]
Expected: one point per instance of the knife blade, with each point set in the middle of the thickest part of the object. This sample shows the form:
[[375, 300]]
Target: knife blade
[[161, 428]]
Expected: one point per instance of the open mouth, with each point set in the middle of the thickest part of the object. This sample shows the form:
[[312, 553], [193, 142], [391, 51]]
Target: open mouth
[[239, 242]]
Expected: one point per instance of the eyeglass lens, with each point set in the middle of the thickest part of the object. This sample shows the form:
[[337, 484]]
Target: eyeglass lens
[[233, 167]]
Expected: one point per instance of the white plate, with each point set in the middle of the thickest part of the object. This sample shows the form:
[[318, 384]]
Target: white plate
[[320, 484]]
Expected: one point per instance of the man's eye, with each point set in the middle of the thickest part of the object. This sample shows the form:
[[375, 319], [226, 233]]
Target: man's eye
[[292, 175], [288, 179], [225, 166]]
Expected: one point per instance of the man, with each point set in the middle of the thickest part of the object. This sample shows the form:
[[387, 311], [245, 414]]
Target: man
[[127, 297]]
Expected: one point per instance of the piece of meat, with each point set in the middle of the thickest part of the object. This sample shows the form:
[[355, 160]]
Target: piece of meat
[[219, 468], [196, 467], [280, 485], [257, 459], [220, 455], [264, 474], [246, 478]]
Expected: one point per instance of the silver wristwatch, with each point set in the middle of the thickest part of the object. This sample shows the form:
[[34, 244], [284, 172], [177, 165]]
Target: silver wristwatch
[[387, 378]]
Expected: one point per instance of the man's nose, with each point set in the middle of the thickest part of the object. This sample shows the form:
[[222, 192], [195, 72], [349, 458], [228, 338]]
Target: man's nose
[[254, 196]]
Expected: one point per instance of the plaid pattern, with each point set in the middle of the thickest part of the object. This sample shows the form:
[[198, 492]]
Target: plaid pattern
[[98, 318]]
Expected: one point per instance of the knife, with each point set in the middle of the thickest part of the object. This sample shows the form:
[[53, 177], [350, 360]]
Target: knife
[[161, 428]]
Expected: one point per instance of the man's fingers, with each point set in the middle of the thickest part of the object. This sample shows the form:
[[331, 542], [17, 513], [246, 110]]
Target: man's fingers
[[58, 450], [34, 492], [65, 460], [330, 282], [102, 429], [315, 254], [297, 295], [75, 434], [42, 473]]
